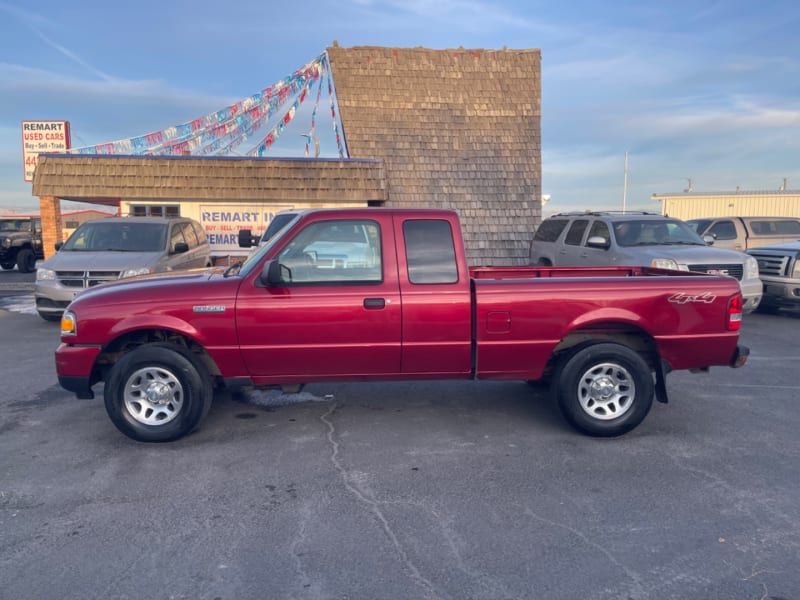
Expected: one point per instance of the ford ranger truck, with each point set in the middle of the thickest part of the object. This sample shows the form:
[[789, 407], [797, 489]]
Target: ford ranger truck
[[386, 294]]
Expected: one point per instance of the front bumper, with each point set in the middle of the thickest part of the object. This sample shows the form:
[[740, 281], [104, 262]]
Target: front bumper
[[75, 368], [51, 297], [782, 290], [751, 294]]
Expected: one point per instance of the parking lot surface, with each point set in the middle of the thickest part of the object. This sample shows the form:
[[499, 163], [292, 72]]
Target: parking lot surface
[[441, 490]]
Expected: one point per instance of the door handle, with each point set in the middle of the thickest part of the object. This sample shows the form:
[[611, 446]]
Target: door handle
[[374, 303]]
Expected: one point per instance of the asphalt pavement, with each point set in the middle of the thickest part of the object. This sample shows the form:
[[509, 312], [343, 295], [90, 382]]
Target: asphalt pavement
[[440, 490]]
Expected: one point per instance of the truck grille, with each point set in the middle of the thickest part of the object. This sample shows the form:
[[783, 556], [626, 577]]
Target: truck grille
[[733, 270], [85, 279], [772, 264]]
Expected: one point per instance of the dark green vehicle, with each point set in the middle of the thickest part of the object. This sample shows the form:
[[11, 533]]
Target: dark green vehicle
[[20, 243]]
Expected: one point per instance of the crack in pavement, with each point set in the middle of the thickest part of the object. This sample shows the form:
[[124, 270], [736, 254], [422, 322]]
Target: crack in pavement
[[352, 486]]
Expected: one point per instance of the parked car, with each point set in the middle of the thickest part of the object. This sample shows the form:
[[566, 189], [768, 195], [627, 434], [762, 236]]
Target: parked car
[[742, 233], [20, 243], [103, 250], [779, 267], [642, 239]]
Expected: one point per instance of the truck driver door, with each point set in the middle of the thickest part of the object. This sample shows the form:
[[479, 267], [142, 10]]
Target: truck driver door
[[336, 312]]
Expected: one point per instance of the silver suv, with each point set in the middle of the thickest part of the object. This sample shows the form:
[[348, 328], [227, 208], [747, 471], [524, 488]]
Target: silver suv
[[107, 249], [639, 239]]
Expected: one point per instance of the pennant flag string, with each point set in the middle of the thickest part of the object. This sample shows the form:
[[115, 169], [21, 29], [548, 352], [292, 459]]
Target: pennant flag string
[[203, 134]]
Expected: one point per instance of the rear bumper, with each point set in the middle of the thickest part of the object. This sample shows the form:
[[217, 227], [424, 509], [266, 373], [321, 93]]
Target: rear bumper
[[740, 357]]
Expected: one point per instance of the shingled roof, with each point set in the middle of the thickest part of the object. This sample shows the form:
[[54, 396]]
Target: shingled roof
[[456, 129], [95, 178]]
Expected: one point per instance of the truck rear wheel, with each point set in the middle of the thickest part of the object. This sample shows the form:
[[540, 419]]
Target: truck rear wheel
[[157, 393], [26, 261], [605, 390]]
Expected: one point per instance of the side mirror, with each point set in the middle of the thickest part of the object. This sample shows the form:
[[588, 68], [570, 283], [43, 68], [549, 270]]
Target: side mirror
[[58, 245], [180, 248], [247, 239], [709, 239], [274, 274], [598, 241]]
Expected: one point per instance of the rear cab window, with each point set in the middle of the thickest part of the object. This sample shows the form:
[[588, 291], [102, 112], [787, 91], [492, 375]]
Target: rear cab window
[[430, 251]]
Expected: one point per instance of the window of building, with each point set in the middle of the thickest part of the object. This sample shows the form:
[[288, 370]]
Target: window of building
[[149, 210]]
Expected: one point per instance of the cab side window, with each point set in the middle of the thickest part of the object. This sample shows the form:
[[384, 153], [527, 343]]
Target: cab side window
[[723, 230], [340, 251], [575, 233]]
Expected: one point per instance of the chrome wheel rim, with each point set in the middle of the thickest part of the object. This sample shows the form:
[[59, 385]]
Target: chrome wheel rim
[[153, 396], [606, 391]]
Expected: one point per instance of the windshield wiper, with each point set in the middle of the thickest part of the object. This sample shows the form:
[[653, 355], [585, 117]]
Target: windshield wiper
[[233, 269]]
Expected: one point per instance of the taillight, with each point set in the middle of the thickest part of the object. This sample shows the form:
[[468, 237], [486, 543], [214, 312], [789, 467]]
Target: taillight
[[735, 312]]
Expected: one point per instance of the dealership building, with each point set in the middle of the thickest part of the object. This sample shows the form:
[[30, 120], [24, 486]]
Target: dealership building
[[457, 129]]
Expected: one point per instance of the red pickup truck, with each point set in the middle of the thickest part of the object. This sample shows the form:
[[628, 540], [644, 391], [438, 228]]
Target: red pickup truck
[[384, 294]]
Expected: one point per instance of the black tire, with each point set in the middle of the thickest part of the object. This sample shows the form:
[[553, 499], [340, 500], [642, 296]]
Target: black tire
[[26, 261], [7, 266], [543, 262], [53, 317], [605, 390], [169, 371]]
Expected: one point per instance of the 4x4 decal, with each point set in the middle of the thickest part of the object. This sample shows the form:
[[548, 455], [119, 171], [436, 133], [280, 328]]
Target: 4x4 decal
[[681, 298]]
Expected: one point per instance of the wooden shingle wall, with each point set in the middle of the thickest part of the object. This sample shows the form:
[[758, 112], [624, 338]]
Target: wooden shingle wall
[[456, 129], [76, 177]]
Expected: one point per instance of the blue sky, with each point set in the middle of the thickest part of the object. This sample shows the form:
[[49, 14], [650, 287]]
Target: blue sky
[[705, 90]]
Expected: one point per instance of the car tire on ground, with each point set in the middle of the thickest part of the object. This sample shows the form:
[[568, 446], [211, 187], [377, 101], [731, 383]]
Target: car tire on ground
[[26, 261], [7, 266], [158, 393], [605, 389]]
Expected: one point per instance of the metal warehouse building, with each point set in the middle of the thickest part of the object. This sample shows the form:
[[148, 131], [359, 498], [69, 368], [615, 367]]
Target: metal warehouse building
[[697, 205]]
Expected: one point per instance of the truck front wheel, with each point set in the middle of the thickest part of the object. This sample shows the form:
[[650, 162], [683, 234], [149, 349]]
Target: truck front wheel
[[605, 389], [157, 393]]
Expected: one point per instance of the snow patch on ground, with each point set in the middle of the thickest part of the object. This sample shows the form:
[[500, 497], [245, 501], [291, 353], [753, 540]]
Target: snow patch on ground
[[19, 304], [276, 398]]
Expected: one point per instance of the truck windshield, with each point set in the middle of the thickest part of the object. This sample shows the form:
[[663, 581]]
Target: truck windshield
[[15, 225], [117, 236], [254, 257]]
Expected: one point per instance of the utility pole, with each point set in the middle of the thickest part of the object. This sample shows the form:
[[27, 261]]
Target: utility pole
[[625, 185]]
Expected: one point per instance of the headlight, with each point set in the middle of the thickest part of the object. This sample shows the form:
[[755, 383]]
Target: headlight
[[6, 242], [69, 323], [664, 263], [134, 272], [796, 269], [750, 268], [45, 275]]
